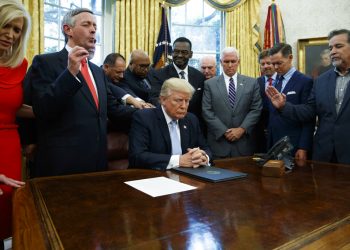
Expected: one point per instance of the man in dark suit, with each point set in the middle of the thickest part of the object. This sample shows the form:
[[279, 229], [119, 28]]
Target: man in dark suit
[[296, 86], [71, 102], [231, 108], [182, 52], [329, 101], [136, 75], [268, 77], [168, 136], [114, 68]]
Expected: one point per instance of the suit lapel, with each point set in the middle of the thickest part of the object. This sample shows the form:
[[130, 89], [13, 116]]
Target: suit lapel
[[184, 134], [164, 129], [290, 84], [172, 71], [221, 86], [86, 91], [330, 88], [239, 90]]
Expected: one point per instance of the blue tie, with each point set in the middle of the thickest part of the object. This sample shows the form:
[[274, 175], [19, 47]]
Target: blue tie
[[182, 74], [231, 92], [175, 142], [279, 83]]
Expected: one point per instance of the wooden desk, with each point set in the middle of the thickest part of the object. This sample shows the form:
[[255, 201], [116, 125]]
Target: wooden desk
[[308, 208]]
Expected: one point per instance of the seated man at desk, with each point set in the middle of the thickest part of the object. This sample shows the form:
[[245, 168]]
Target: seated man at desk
[[168, 136]]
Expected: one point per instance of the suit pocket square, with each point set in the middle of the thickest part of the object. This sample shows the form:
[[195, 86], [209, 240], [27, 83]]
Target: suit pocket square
[[291, 93]]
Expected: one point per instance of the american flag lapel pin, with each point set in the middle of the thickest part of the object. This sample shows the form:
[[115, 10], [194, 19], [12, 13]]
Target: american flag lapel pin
[[185, 127]]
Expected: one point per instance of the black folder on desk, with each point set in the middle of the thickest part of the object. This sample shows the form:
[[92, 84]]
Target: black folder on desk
[[211, 174]]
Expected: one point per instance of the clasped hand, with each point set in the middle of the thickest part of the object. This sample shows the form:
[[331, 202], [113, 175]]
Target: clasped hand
[[194, 157]]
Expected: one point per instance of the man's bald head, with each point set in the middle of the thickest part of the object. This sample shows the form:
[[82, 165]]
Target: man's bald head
[[139, 63], [208, 66]]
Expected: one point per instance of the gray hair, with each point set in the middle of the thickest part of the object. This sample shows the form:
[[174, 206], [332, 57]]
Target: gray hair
[[137, 53], [229, 50], [69, 19], [176, 84]]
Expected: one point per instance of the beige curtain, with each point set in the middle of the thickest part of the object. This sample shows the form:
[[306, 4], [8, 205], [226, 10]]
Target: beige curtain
[[242, 32], [137, 26], [36, 38]]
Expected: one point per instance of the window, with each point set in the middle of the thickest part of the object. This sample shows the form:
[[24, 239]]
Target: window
[[54, 10], [203, 25]]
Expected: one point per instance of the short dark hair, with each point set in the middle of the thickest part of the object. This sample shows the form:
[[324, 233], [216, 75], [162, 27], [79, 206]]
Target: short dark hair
[[284, 48], [183, 39], [339, 32], [263, 54], [111, 58]]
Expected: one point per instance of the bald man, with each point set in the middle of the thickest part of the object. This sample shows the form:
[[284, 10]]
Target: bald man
[[208, 66], [136, 75]]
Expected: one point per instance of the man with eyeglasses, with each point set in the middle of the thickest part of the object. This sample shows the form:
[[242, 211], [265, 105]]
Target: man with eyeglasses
[[296, 86], [114, 68], [182, 52], [231, 108], [136, 75]]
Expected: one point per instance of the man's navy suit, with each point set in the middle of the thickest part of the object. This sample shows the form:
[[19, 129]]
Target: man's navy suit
[[71, 130], [195, 78], [332, 134], [134, 83], [297, 91], [149, 138]]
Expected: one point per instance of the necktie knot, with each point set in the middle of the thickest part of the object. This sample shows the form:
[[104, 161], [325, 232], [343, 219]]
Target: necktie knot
[[279, 83], [182, 74], [232, 92]]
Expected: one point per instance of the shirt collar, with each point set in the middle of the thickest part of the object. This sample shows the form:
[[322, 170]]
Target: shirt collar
[[178, 70], [274, 76], [340, 74], [227, 78], [167, 117], [289, 74]]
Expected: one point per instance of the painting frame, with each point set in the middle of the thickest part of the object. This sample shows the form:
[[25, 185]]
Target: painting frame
[[309, 50]]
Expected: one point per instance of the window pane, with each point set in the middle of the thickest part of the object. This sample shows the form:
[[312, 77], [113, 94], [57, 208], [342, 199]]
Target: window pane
[[50, 12], [99, 27], [202, 26], [51, 29], [194, 12], [98, 55], [70, 4], [178, 15], [51, 45], [52, 1]]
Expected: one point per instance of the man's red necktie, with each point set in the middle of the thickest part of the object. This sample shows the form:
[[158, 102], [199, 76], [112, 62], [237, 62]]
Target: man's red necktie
[[85, 72], [270, 81]]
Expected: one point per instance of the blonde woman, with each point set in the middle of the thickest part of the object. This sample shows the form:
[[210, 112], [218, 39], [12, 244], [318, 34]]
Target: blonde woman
[[14, 31]]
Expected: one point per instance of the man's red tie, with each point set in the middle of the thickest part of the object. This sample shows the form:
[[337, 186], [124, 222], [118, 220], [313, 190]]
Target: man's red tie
[[85, 72], [270, 81]]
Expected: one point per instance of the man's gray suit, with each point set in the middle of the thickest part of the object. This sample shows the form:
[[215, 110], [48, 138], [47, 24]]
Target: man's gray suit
[[220, 116]]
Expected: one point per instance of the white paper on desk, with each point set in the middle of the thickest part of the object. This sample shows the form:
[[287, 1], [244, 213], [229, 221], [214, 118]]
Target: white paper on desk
[[159, 186]]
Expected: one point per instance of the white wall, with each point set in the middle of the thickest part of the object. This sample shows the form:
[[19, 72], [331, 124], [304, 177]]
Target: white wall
[[308, 18]]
